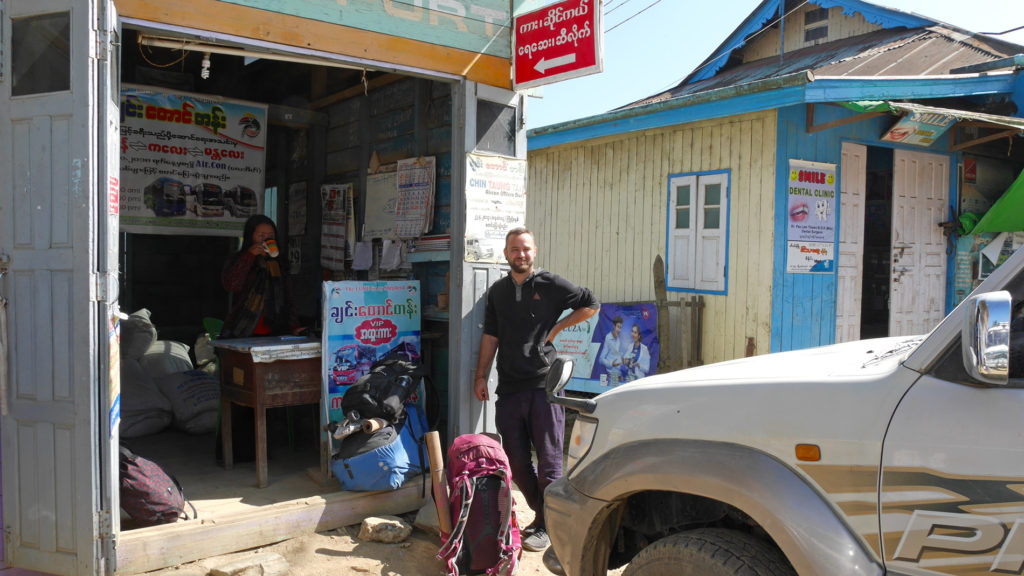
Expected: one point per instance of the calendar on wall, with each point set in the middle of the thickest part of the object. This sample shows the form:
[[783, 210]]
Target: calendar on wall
[[400, 199], [415, 208]]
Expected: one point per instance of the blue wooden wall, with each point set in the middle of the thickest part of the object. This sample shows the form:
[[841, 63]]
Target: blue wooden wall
[[804, 305]]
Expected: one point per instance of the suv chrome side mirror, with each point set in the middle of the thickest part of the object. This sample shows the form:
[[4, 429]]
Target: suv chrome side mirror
[[985, 337], [558, 377]]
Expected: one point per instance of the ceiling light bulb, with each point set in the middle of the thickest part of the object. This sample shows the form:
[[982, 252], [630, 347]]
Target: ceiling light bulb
[[205, 72]]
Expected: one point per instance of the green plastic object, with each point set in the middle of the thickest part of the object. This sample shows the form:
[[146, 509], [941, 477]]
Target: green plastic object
[[968, 220], [1007, 214], [213, 327]]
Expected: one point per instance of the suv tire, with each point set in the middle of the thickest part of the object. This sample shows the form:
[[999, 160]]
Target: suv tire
[[709, 552]]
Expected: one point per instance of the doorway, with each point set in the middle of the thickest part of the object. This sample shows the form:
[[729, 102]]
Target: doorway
[[324, 125], [874, 303], [892, 260]]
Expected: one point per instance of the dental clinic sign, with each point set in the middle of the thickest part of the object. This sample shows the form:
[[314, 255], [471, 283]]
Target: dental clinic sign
[[557, 42], [811, 218]]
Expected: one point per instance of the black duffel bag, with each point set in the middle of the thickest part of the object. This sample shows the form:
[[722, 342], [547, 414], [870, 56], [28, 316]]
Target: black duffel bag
[[384, 390]]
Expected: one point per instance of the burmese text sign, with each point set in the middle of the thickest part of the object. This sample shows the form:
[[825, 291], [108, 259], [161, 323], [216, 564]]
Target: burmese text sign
[[363, 323], [557, 42]]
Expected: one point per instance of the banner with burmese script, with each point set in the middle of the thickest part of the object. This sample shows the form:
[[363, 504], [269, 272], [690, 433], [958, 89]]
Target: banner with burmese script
[[363, 323], [190, 164]]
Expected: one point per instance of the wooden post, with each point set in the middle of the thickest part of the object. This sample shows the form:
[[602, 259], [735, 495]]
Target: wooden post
[[440, 485], [668, 351]]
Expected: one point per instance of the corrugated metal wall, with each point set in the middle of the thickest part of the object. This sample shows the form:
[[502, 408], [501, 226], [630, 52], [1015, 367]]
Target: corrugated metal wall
[[598, 210]]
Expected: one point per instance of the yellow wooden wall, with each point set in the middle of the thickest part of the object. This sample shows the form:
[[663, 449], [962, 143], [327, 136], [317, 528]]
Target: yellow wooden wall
[[599, 209], [840, 26]]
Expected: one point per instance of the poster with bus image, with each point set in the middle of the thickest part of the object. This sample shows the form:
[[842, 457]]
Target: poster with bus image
[[365, 322], [190, 163]]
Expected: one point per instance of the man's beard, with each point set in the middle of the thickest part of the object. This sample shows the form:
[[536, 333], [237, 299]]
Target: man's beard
[[521, 267]]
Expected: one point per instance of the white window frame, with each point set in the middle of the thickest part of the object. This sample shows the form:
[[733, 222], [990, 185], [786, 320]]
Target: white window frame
[[697, 258]]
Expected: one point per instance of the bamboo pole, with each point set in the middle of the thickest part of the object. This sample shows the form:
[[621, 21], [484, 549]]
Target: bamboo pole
[[440, 485]]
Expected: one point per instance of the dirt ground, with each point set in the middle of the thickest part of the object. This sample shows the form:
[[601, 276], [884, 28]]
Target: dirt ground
[[341, 553]]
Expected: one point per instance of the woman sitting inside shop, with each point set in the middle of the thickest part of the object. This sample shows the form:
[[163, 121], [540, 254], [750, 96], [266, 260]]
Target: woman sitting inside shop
[[254, 278]]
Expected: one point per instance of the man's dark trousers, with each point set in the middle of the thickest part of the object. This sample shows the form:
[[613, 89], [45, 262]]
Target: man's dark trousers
[[524, 419]]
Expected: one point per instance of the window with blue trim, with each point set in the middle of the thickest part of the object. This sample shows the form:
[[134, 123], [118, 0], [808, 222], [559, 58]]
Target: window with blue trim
[[698, 231]]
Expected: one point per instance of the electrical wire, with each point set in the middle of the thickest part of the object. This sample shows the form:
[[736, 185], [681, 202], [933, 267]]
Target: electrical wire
[[184, 54], [621, 4], [1003, 32], [633, 16]]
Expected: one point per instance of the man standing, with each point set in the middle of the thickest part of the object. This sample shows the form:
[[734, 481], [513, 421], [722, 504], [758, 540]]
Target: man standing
[[520, 323]]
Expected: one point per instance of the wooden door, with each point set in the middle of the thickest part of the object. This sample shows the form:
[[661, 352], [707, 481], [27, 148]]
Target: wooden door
[[850, 268], [58, 213], [917, 286]]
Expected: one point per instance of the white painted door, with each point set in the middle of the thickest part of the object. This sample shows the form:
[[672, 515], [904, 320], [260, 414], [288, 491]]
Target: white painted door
[[850, 270], [56, 180], [918, 275]]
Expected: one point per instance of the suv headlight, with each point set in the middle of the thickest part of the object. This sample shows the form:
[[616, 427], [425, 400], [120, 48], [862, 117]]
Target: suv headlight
[[583, 431]]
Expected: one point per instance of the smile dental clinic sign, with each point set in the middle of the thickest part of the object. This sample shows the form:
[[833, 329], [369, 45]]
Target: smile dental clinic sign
[[811, 217], [557, 42]]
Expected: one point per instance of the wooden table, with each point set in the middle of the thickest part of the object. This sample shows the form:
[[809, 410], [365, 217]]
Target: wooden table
[[263, 373]]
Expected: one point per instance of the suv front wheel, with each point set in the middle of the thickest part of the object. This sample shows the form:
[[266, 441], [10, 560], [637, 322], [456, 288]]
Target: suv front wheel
[[709, 552]]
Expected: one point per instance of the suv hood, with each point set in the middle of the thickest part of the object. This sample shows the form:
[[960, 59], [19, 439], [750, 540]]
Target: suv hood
[[850, 360], [835, 395]]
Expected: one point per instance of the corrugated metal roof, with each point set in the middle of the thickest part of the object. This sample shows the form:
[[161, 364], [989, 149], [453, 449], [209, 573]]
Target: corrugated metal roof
[[896, 52], [769, 10]]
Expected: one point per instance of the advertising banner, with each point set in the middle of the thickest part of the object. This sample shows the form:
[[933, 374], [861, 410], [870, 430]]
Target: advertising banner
[[811, 216], [190, 164], [495, 203], [919, 128], [365, 322], [618, 345]]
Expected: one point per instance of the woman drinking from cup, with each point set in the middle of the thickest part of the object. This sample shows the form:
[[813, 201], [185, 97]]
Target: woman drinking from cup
[[254, 278]]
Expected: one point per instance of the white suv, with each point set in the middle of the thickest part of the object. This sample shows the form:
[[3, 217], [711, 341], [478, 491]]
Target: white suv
[[899, 455]]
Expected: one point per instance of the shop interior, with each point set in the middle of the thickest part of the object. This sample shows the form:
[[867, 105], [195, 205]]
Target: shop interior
[[874, 314], [326, 125]]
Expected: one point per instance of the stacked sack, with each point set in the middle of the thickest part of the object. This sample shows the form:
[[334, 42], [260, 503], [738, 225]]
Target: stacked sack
[[159, 385]]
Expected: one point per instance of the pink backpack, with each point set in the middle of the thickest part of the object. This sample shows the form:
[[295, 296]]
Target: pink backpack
[[485, 536]]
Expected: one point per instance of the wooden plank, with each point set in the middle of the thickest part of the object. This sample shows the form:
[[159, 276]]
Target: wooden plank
[[245, 22], [603, 155], [647, 147], [601, 222], [536, 188], [741, 238], [811, 127], [646, 234], [580, 191], [624, 237], [148, 549], [763, 153], [570, 240], [745, 189]]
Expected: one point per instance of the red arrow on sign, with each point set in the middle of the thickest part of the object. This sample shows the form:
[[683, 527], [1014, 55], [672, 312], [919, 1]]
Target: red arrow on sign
[[557, 42]]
